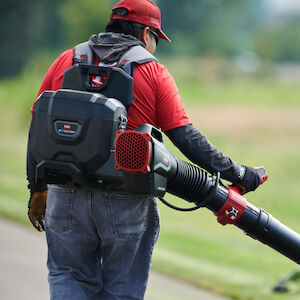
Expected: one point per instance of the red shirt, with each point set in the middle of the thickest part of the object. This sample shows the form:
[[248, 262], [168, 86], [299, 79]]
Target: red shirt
[[156, 97]]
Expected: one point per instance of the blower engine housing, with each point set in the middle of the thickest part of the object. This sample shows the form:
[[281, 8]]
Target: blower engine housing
[[72, 138]]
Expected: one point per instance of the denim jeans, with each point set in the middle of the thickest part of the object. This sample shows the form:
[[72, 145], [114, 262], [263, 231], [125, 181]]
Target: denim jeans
[[99, 244]]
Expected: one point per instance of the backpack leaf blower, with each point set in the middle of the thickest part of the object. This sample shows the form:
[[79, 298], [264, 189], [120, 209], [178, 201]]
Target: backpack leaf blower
[[77, 137], [149, 167]]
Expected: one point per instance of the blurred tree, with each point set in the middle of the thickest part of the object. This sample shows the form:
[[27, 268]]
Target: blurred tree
[[222, 26], [15, 18], [27, 27], [47, 26], [225, 27], [83, 18], [279, 41]]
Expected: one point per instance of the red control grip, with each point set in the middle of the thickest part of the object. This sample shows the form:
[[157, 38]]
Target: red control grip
[[235, 203], [232, 209], [263, 175]]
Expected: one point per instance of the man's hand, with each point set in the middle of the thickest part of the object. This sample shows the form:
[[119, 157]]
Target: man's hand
[[36, 209], [250, 178]]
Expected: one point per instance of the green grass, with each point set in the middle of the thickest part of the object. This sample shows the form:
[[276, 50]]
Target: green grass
[[241, 93], [193, 246], [213, 82], [13, 192]]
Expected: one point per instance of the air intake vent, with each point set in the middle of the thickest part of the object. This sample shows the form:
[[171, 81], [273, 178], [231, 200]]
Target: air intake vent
[[132, 151]]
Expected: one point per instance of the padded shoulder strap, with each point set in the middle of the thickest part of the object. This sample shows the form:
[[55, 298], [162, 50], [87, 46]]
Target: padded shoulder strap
[[137, 55], [82, 53]]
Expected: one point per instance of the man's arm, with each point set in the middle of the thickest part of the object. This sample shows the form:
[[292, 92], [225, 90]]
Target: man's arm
[[190, 141], [195, 146], [30, 168], [38, 194], [38, 190]]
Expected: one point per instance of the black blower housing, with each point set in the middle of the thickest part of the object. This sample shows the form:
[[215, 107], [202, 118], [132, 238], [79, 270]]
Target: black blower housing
[[72, 138], [118, 83], [73, 129]]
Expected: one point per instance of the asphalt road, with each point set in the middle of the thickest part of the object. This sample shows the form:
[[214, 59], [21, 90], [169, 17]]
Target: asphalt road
[[23, 272]]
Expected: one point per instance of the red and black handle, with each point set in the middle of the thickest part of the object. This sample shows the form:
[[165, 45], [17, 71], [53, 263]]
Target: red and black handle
[[235, 204]]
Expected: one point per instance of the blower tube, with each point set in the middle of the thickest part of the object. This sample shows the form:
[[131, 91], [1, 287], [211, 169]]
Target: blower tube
[[143, 151]]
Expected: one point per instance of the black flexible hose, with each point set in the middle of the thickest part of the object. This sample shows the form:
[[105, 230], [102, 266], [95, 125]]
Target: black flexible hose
[[190, 183]]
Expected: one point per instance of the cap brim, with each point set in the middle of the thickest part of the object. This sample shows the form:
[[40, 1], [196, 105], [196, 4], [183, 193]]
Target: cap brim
[[163, 36]]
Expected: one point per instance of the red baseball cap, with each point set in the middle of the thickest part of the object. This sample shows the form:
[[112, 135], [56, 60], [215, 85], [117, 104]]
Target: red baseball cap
[[144, 12]]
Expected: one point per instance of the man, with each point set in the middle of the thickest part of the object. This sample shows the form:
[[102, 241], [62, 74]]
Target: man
[[100, 244]]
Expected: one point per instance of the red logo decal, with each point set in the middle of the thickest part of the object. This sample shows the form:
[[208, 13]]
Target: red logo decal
[[83, 57], [166, 160]]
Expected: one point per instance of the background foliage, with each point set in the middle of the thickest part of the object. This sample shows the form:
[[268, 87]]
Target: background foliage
[[197, 27], [236, 66]]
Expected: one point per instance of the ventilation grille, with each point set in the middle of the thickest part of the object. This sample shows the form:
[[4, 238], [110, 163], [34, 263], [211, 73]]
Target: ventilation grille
[[132, 151]]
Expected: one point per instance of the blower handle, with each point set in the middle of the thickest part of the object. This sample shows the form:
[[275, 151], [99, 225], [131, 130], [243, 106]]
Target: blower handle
[[263, 176]]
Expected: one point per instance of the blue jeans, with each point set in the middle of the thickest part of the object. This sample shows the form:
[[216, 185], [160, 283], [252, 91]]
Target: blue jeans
[[99, 244]]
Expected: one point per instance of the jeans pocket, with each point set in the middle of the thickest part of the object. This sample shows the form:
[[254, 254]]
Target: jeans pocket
[[128, 214], [59, 209]]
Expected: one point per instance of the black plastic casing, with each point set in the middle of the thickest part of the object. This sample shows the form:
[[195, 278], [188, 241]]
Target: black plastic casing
[[162, 166], [118, 83], [72, 138]]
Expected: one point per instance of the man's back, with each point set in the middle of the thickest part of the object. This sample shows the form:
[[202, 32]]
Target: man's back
[[156, 99]]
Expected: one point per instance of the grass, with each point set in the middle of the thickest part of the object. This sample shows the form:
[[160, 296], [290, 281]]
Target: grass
[[213, 82], [241, 92], [193, 246], [13, 192]]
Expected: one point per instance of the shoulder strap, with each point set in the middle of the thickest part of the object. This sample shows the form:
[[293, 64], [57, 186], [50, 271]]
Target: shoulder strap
[[135, 55], [82, 53]]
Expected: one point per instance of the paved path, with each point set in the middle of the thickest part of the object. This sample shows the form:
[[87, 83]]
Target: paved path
[[23, 273]]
